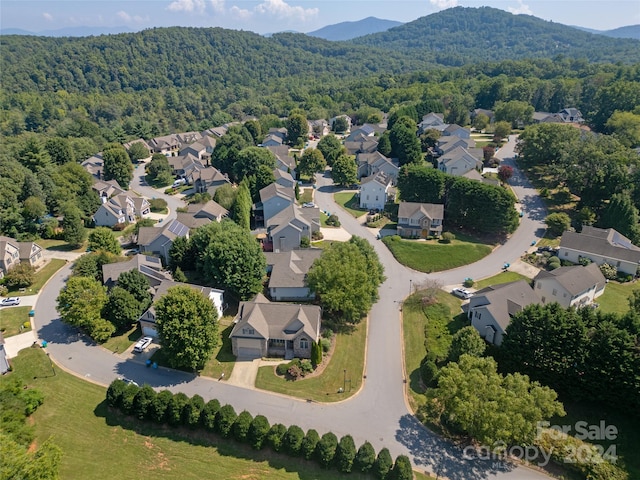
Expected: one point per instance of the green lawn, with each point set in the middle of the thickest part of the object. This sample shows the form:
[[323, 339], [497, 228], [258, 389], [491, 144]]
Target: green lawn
[[323, 219], [121, 342], [348, 355], [349, 201], [40, 278], [59, 245], [431, 256], [12, 320], [503, 277], [306, 196], [615, 297], [435, 323], [75, 415]]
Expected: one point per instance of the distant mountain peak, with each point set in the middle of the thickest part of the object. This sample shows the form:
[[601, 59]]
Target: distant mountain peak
[[349, 30]]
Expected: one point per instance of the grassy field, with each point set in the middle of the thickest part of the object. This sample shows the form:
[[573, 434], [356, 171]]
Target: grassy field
[[349, 201], [503, 277], [615, 297], [101, 444], [431, 256], [122, 342], [348, 355], [12, 320], [60, 245], [435, 324], [40, 278]]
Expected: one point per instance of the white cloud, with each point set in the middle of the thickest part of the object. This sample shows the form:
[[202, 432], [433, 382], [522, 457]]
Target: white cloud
[[125, 17], [240, 13], [48, 17], [444, 4], [217, 5], [281, 9], [522, 9], [190, 6]]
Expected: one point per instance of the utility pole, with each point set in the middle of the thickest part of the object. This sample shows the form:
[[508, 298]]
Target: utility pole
[[344, 383]]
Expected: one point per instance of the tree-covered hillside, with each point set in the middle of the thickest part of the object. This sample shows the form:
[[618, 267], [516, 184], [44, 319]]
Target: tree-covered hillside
[[462, 35]]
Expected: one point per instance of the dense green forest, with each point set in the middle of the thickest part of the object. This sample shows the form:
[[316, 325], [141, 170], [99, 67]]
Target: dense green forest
[[461, 35], [64, 99]]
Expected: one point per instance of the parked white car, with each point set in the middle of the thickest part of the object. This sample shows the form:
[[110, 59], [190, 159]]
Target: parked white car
[[142, 344], [7, 302], [462, 293]]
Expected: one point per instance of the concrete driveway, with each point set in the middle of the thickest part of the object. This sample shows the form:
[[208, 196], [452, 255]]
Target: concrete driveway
[[245, 372]]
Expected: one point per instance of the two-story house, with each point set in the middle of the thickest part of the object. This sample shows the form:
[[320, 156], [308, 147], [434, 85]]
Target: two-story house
[[372, 163], [570, 286], [420, 219], [374, 191], [159, 240]]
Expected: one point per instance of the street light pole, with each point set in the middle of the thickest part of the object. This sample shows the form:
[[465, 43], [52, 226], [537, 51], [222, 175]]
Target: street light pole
[[51, 363], [344, 383], [410, 286]]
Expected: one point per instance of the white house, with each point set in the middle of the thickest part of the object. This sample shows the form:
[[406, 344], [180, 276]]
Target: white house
[[570, 286], [121, 209], [374, 191], [601, 246]]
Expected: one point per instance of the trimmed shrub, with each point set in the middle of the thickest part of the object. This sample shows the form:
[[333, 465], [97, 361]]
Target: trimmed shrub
[[383, 464], [275, 436], [468, 282], [428, 372], [326, 344], [175, 408], [224, 420], [258, 431], [282, 369], [345, 454], [402, 469], [327, 333], [333, 221], [294, 372], [365, 458], [126, 403], [293, 440], [157, 411], [316, 354], [208, 414], [241, 426], [609, 271], [326, 449], [192, 411], [309, 443], [142, 402], [448, 237], [306, 366], [305, 242], [114, 393]]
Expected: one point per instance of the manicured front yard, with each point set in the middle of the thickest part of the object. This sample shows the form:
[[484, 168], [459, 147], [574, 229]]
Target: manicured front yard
[[306, 196], [436, 324], [350, 202], [348, 355], [615, 296], [75, 416], [503, 277], [121, 342], [40, 278], [431, 256], [12, 320]]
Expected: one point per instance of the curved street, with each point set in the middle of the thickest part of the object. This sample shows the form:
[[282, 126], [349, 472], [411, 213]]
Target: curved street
[[378, 413]]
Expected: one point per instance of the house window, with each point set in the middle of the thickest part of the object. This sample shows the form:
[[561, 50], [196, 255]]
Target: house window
[[538, 285], [304, 343], [566, 254], [618, 264], [248, 331], [555, 292]]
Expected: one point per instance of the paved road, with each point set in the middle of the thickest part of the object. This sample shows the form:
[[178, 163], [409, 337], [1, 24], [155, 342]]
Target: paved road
[[139, 185], [378, 413]]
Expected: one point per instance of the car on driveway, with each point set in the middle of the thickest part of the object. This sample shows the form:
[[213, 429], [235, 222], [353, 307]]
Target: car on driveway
[[309, 205], [142, 344], [128, 381], [462, 293], [7, 302]]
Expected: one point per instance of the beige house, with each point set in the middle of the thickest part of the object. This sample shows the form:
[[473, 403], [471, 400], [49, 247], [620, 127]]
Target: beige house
[[574, 286], [121, 208], [420, 219], [13, 253], [288, 272], [265, 329], [458, 161]]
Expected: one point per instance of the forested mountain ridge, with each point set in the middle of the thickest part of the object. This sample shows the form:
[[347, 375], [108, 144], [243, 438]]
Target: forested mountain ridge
[[461, 35], [220, 58], [182, 57], [349, 30]]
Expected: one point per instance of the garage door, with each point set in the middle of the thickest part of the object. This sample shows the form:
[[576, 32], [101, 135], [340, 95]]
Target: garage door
[[149, 332], [249, 348]]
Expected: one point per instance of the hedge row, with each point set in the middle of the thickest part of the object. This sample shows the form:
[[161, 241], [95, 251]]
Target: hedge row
[[177, 409]]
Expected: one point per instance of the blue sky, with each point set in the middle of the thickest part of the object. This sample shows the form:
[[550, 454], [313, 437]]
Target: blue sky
[[268, 16]]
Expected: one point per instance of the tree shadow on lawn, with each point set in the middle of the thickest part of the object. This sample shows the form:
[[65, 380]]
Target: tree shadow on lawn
[[226, 447]]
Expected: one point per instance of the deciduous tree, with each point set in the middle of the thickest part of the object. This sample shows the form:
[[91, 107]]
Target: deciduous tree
[[187, 325], [117, 165], [344, 171], [102, 238], [311, 162]]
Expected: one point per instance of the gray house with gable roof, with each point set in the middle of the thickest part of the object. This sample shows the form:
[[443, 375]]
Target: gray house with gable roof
[[263, 329], [288, 272]]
